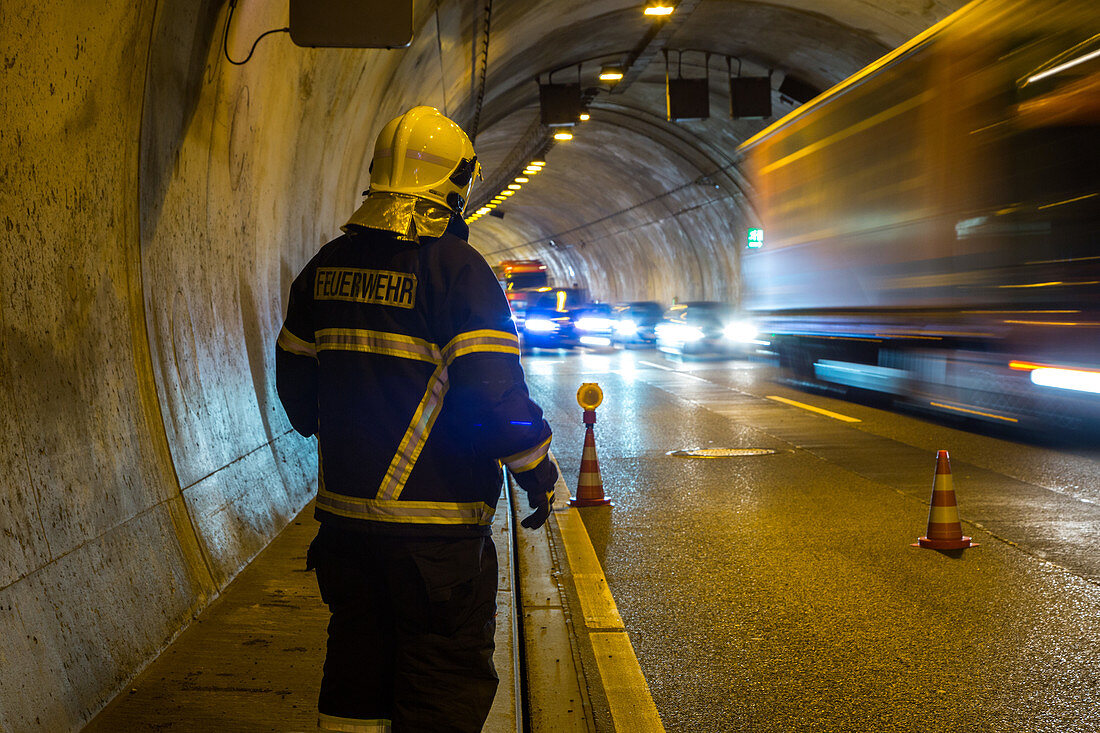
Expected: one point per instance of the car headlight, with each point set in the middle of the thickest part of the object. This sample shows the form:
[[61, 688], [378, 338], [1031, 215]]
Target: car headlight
[[626, 327], [679, 332], [691, 333], [593, 323], [740, 331], [540, 325]]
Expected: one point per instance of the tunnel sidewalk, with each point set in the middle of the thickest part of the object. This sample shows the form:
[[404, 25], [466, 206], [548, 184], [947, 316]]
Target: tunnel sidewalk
[[252, 660]]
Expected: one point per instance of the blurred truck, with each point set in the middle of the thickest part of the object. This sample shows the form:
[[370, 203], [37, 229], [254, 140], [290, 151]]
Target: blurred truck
[[520, 274], [930, 227]]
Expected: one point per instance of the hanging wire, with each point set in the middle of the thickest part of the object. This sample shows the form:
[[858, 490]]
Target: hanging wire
[[484, 70], [439, 48], [225, 37]]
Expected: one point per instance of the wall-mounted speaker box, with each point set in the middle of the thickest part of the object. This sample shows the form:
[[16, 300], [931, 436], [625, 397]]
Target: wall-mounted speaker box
[[688, 99], [750, 97], [798, 90], [560, 104], [351, 23]]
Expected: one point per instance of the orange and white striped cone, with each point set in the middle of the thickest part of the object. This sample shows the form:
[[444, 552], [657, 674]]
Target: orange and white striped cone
[[589, 482], [944, 526]]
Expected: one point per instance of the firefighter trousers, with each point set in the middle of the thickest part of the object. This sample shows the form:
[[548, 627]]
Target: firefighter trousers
[[411, 636]]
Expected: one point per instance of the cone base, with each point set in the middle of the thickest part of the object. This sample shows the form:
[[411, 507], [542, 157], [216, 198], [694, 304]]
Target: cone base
[[931, 544], [590, 502]]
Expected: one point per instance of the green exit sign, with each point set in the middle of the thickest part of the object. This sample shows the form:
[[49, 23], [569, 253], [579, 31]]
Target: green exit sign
[[756, 238]]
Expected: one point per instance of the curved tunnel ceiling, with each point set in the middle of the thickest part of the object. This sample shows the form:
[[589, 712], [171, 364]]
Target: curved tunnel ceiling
[[158, 200], [619, 200]]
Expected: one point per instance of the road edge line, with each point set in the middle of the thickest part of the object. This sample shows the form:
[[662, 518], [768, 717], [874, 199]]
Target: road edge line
[[626, 689]]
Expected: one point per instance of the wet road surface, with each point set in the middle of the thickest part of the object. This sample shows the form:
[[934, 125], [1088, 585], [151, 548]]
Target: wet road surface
[[779, 592]]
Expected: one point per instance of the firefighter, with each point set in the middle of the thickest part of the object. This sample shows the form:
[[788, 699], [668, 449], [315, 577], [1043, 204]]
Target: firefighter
[[399, 352]]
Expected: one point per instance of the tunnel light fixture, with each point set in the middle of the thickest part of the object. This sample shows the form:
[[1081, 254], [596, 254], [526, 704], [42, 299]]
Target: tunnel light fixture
[[563, 136], [521, 179], [482, 210], [611, 73], [507, 193], [531, 171], [585, 117], [658, 10], [538, 163], [514, 186]]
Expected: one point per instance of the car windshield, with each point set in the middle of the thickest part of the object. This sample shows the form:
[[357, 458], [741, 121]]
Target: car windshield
[[700, 312], [560, 299], [596, 309], [709, 312], [644, 310], [527, 279]]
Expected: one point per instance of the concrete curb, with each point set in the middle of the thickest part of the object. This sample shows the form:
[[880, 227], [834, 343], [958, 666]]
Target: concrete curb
[[556, 695]]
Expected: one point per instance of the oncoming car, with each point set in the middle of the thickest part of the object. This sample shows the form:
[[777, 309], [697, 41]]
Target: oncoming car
[[705, 328], [560, 318], [635, 323], [593, 325]]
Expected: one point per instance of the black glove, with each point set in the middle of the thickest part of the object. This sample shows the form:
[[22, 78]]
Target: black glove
[[543, 504], [539, 485]]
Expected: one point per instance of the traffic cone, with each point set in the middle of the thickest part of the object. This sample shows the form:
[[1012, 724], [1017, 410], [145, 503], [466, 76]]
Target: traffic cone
[[589, 482], [944, 527]]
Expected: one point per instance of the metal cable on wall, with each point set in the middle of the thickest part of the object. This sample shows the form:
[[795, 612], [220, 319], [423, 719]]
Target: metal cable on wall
[[484, 70]]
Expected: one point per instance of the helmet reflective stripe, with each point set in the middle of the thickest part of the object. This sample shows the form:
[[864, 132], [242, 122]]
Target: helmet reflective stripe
[[418, 153]]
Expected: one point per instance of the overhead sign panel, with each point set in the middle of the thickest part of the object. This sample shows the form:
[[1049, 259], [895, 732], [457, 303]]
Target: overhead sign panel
[[351, 23], [560, 104], [688, 99], [750, 97], [797, 89]]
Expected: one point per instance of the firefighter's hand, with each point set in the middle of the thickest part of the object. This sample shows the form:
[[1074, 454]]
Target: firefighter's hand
[[542, 504]]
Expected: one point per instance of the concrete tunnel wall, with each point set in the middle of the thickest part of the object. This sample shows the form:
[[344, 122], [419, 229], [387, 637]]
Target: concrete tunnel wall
[[157, 201]]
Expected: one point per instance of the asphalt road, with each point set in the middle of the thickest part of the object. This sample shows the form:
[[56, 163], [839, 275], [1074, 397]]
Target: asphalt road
[[779, 592]]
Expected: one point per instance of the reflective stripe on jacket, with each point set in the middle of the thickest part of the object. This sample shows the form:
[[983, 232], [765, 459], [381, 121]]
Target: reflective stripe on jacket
[[404, 359]]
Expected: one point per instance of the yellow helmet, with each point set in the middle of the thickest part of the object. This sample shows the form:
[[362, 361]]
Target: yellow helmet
[[422, 153]]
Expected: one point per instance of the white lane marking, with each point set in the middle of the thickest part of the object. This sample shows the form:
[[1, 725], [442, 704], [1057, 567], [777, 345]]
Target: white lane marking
[[811, 408], [689, 375], [656, 366]]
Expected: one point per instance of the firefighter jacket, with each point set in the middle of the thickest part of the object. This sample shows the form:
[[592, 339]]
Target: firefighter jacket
[[403, 358]]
